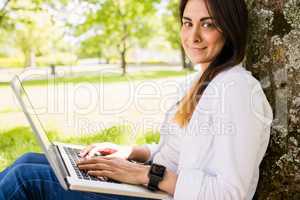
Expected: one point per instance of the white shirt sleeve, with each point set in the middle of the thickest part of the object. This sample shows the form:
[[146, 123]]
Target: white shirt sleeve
[[154, 148], [235, 157]]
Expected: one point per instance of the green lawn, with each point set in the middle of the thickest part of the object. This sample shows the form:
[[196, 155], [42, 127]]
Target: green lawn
[[20, 140], [111, 78], [107, 78]]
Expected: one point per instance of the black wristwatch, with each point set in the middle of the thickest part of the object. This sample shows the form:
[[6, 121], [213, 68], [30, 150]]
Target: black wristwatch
[[156, 174]]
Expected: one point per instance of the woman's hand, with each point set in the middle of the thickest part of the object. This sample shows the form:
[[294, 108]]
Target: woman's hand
[[116, 168], [107, 148]]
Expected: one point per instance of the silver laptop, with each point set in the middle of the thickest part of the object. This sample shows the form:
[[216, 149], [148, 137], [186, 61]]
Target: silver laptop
[[62, 158]]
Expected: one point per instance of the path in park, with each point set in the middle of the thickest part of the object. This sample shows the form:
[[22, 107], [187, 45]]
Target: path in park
[[84, 108]]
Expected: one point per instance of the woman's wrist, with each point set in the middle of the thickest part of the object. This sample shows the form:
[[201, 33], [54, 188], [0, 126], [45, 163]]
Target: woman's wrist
[[139, 154], [143, 178], [167, 184]]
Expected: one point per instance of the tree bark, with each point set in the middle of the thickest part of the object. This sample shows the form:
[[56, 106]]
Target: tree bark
[[123, 62], [30, 58], [183, 57], [124, 50], [186, 63], [273, 57]]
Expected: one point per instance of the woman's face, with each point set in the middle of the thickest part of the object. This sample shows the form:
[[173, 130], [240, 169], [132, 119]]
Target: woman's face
[[201, 39]]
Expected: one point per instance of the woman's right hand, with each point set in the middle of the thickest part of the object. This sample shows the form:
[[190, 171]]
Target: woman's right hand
[[108, 149]]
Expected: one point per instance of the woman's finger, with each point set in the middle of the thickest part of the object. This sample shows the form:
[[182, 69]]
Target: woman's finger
[[86, 150], [98, 166], [94, 161], [93, 152], [102, 173]]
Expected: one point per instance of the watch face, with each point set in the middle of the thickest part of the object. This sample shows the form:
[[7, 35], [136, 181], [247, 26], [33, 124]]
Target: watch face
[[158, 170]]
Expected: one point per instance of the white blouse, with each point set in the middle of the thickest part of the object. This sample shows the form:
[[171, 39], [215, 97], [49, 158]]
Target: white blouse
[[217, 156]]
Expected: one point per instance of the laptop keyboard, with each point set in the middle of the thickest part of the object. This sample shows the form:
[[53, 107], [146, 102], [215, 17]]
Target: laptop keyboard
[[73, 155]]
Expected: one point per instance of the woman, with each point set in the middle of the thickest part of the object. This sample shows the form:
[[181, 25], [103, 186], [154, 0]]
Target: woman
[[212, 140]]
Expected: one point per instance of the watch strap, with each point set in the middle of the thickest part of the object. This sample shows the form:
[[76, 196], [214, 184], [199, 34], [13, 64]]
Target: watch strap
[[155, 177], [153, 182]]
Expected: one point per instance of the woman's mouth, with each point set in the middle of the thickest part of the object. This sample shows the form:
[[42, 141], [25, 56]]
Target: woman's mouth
[[197, 49]]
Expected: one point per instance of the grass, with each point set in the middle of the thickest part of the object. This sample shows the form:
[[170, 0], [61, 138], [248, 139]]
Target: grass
[[15, 142], [106, 78], [110, 78], [9, 110], [59, 59], [4, 84]]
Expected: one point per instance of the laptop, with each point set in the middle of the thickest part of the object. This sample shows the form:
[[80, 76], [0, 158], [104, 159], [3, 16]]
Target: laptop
[[62, 158]]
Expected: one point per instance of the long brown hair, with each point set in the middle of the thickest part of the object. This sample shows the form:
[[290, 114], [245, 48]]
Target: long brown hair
[[231, 17]]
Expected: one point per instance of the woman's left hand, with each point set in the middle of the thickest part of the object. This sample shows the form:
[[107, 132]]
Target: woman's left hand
[[116, 168]]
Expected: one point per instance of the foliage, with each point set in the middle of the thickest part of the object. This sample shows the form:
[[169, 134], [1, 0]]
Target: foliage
[[171, 21], [118, 25], [57, 59], [32, 35], [172, 24], [15, 142], [148, 138], [11, 62], [30, 29]]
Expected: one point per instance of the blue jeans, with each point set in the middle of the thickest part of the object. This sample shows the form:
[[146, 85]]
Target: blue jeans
[[31, 177]]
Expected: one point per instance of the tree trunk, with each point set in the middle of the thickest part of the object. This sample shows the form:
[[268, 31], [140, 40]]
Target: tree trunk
[[186, 63], [123, 52], [123, 62], [274, 58], [30, 58], [183, 57]]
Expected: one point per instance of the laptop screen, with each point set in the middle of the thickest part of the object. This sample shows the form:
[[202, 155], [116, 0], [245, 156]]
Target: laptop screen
[[30, 112]]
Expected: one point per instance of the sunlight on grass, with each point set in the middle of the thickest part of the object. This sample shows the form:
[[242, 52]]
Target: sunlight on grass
[[110, 78], [106, 78], [15, 142], [9, 110]]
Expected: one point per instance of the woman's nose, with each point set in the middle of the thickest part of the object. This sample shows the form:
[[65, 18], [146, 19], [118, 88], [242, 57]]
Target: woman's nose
[[196, 35]]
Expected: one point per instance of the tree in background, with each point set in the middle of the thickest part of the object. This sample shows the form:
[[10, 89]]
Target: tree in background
[[98, 46], [17, 22], [4, 23], [27, 26], [3, 11], [274, 59], [33, 35], [123, 24], [171, 22]]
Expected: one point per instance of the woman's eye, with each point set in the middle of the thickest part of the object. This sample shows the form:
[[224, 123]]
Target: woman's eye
[[208, 25], [187, 24]]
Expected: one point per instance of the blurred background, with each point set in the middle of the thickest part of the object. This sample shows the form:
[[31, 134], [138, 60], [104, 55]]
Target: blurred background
[[37, 33], [95, 70]]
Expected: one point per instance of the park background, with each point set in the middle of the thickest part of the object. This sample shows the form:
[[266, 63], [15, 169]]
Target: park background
[[107, 70]]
